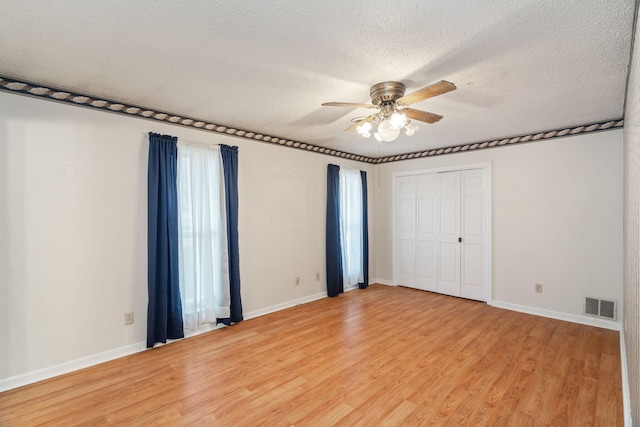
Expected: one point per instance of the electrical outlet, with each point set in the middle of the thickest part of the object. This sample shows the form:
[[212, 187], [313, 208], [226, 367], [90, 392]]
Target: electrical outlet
[[297, 280], [317, 277], [539, 288], [128, 318]]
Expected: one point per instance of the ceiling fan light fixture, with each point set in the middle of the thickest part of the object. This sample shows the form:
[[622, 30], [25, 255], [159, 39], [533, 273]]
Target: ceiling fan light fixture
[[398, 120], [411, 128], [364, 129], [387, 97]]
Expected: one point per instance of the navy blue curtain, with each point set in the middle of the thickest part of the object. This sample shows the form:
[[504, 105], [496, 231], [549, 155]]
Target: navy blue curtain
[[365, 232], [333, 247], [230, 166], [164, 312]]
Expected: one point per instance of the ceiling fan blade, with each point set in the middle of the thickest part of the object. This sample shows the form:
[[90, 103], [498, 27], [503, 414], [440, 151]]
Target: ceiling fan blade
[[430, 91], [423, 116], [348, 104], [359, 122]]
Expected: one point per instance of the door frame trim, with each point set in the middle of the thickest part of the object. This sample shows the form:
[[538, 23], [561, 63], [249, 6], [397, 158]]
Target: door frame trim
[[394, 244]]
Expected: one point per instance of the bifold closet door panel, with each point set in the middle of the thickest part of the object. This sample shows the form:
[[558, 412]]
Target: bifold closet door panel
[[427, 232], [475, 229], [449, 233], [406, 230]]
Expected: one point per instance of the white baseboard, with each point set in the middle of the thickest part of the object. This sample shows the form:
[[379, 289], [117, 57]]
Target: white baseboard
[[284, 305], [585, 320], [73, 365], [293, 303], [626, 397], [384, 282]]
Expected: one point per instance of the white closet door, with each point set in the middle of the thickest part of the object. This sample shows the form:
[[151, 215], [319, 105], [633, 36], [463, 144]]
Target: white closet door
[[475, 228], [427, 235], [406, 230], [443, 232], [449, 247]]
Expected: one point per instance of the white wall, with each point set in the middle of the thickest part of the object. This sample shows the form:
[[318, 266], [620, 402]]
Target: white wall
[[631, 336], [557, 220], [73, 231]]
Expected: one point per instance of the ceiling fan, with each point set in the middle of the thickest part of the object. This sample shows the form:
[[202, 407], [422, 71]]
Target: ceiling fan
[[393, 115]]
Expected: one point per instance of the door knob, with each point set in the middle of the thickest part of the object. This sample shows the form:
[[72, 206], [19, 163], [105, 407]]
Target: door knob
[[459, 239]]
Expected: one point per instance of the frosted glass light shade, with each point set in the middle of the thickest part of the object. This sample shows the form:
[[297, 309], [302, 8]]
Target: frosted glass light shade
[[364, 129], [387, 132], [411, 129], [398, 120]]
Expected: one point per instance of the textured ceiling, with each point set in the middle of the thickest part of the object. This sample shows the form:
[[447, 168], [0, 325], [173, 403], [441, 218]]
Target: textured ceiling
[[521, 66]]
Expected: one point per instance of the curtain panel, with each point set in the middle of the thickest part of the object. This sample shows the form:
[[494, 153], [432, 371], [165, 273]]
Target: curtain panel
[[204, 276], [333, 247], [351, 236], [365, 232], [164, 310], [230, 167]]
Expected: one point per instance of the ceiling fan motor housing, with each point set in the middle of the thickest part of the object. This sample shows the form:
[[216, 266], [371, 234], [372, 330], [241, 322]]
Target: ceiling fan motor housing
[[386, 92]]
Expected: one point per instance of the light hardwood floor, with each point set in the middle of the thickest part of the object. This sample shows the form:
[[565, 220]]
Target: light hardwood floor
[[381, 356]]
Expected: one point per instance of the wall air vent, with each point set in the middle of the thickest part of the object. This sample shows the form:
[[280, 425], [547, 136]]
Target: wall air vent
[[600, 307]]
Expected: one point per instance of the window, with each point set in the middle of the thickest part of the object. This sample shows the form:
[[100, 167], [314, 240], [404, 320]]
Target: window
[[351, 226], [202, 247]]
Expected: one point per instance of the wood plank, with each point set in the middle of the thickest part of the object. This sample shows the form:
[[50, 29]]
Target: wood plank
[[380, 356]]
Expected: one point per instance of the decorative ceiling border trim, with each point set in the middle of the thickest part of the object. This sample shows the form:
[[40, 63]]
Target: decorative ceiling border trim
[[522, 139], [54, 94], [73, 98]]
